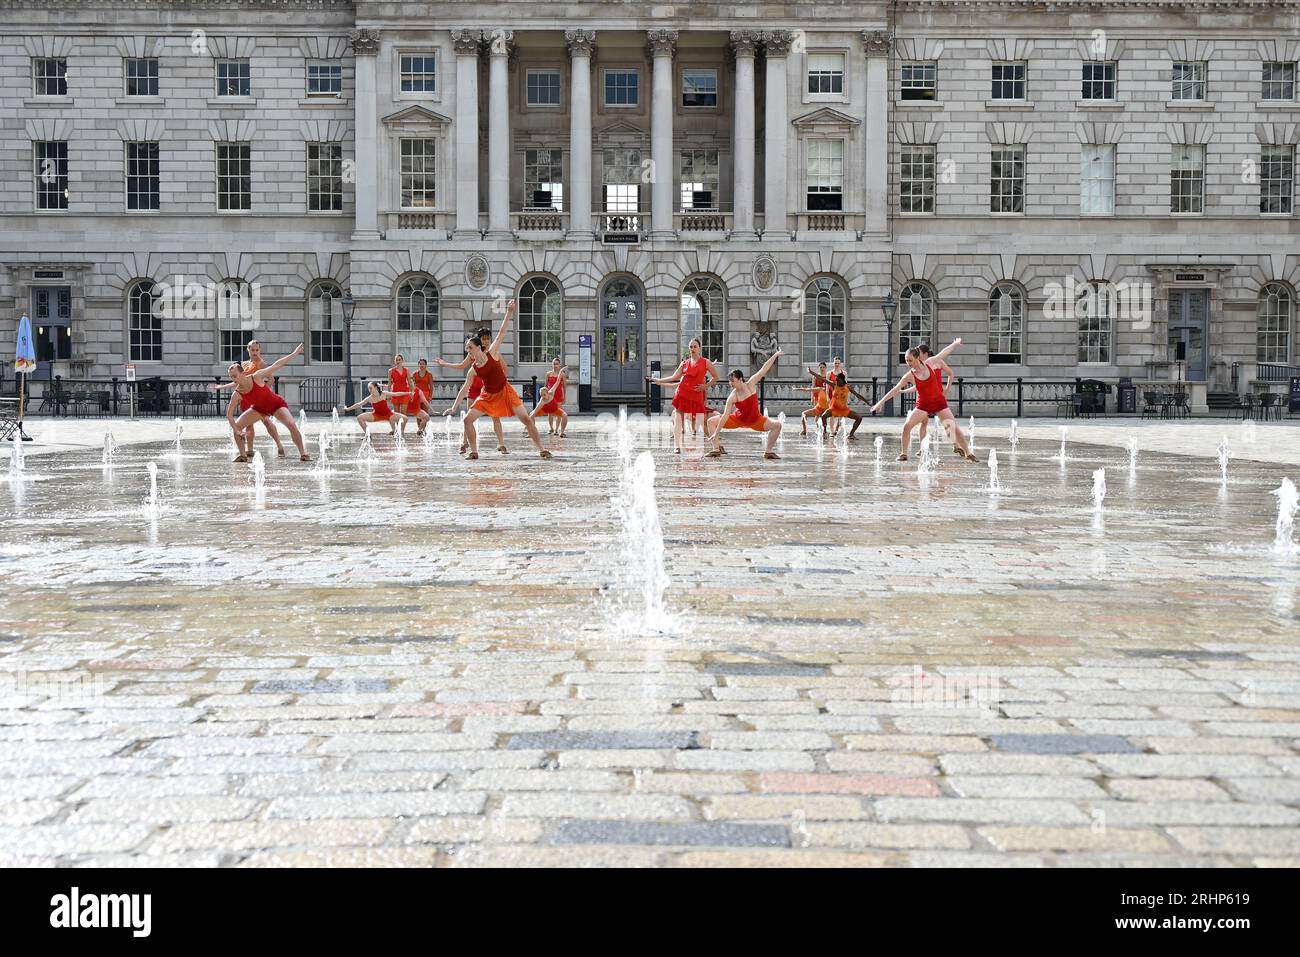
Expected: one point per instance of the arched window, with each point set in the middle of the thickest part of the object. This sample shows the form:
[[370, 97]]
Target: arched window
[[1273, 333], [1006, 324], [143, 323], [325, 322], [915, 317], [824, 308], [417, 318], [704, 316], [541, 320], [1096, 316], [236, 318]]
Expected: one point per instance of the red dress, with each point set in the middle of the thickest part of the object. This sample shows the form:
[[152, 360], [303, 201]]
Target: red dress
[[399, 380], [423, 391], [381, 409], [556, 405], [688, 399], [747, 415], [929, 391], [261, 399], [499, 398]]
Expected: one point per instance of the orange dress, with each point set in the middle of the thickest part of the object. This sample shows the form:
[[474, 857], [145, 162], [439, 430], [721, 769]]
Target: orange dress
[[499, 398], [821, 401], [556, 405], [423, 391], [840, 402], [747, 415]]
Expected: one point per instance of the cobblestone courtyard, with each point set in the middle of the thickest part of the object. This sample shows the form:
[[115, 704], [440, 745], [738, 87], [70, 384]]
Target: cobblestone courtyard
[[421, 661]]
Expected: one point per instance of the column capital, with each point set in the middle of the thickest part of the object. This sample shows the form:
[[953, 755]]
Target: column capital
[[777, 42], [580, 42], [466, 42], [364, 42], [744, 43], [877, 42], [661, 43], [499, 41]]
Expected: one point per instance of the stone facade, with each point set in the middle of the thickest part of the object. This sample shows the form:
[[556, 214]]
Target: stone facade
[[477, 239]]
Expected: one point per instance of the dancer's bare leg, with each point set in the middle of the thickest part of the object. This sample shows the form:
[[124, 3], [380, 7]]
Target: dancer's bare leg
[[915, 418], [949, 422], [857, 421], [501, 436], [522, 415], [678, 427], [713, 431], [471, 432], [773, 430], [564, 423], [285, 416], [273, 432]]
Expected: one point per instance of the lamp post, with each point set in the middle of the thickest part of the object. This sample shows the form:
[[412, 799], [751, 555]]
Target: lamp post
[[349, 307], [888, 309]]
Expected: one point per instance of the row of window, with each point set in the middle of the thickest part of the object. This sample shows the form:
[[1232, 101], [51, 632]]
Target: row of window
[[1275, 176], [234, 176], [540, 324], [1098, 80], [232, 77]]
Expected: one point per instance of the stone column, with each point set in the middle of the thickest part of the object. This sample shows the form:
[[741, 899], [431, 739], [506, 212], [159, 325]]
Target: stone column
[[365, 46], [744, 43], [776, 45], [466, 44], [662, 44], [877, 44], [581, 45], [499, 131]]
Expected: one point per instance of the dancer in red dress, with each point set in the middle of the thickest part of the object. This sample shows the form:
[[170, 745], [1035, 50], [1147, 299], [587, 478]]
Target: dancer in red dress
[[251, 365], [380, 410], [927, 376], [498, 399], [696, 375], [551, 402], [399, 383], [258, 403], [423, 385], [473, 388], [742, 412]]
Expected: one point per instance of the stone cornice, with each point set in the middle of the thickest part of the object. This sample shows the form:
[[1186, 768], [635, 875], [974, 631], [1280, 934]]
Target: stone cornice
[[179, 4], [1065, 6]]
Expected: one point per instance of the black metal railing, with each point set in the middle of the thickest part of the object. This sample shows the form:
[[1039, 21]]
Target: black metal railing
[[81, 398], [1275, 372]]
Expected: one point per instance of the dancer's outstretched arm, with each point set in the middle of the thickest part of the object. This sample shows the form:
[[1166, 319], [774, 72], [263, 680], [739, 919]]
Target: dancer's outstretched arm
[[853, 391], [462, 364], [495, 348], [947, 350], [819, 377], [270, 371], [221, 388], [464, 390], [670, 379], [767, 367], [907, 377], [356, 405], [723, 416]]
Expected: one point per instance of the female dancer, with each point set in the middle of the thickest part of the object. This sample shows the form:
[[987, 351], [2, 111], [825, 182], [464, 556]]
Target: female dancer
[[697, 374], [551, 401], [257, 402], [473, 387], [251, 365], [380, 410], [820, 400], [499, 398], [423, 380], [399, 383], [742, 411], [927, 376], [840, 404]]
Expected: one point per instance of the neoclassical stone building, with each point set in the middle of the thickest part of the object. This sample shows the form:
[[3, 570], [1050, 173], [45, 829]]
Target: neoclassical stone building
[[1095, 188]]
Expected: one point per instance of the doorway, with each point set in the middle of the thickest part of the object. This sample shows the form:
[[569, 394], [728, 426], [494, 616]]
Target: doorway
[[622, 335], [1189, 311], [51, 327]]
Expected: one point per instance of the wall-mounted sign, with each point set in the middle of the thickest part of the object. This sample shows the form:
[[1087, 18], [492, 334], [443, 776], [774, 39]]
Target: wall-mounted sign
[[1189, 277], [584, 360]]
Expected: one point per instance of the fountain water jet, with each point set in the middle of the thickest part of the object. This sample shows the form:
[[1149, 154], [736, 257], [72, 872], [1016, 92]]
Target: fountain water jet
[[995, 484], [1287, 501], [334, 418], [1098, 489], [927, 462], [180, 430], [1013, 437], [399, 442], [880, 446], [644, 574], [302, 421], [152, 504], [16, 461], [1065, 431], [110, 450], [259, 473], [323, 451], [447, 430], [1132, 446], [1224, 454], [970, 429]]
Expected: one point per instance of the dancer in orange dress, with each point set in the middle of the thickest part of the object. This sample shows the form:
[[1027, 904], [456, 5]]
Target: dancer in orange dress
[[821, 401], [258, 402], [696, 374], [840, 392], [551, 402], [380, 410], [742, 411], [473, 388], [498, 399], [252, 364]]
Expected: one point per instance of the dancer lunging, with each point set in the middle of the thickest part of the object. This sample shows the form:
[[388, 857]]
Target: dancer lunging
[[693, 376], [551, 402], [252, 364], [499, 398], [258, 402], [820, 399], [927, 375], [380, 410], [473, 388], [742, 411], [840, 392]]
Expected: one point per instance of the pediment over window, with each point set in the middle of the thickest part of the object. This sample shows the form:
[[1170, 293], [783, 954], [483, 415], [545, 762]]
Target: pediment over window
[[415, 117], [621, 133], [826, 119]]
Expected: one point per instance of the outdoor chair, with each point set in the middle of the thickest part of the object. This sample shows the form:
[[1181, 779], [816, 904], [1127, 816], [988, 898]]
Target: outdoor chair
[[1268, 406], [1247, 406], [1150, 404]]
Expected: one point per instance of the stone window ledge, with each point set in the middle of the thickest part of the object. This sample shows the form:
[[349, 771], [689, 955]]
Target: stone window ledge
[[1277, 105], [233, 102], [48, 101], [1099, 104], [1008, 104], [139, 101], [1188, 105], [325, 101]]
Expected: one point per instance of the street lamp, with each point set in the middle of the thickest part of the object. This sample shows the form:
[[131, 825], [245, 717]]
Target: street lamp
[[888, 309], [349, 307]]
